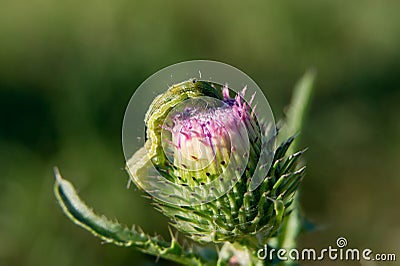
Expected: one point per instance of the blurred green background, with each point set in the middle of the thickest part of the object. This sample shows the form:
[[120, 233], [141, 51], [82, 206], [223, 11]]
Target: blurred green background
[[69, 68]]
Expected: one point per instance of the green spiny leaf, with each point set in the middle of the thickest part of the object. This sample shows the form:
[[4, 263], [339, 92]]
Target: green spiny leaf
[[113, 232], [292, 224]]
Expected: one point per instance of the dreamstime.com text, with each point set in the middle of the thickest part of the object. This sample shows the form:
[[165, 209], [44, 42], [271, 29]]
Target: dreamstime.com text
[[340, 252]]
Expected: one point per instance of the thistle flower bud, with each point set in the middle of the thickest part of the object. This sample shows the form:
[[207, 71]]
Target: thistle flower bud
[[203, 135], [209, 163], [208, 145]]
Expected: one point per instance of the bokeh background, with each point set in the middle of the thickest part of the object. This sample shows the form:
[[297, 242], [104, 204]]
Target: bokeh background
[[69, 68]]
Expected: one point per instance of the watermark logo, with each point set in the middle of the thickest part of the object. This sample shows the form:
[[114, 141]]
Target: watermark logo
[[341, 242], [339, 252], [191, 142]]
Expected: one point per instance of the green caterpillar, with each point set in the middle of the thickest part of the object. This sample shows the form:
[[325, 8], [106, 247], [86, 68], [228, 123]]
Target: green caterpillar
[[164, 103]]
